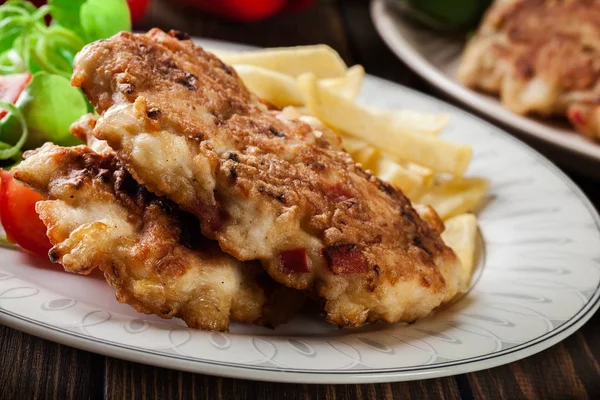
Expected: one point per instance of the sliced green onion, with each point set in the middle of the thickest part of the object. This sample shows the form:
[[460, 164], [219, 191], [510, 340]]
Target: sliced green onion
[[9, 8], [51, 48], [16, 158], [11, 62], [12, 151], [23, 4], [14, 21], [10, 33], [38, 47], [40, 13], [43, 53], [21, 46], [69, 38], [8, 70]]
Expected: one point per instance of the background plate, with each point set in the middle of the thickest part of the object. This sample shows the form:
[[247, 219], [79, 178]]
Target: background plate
[[538, 283], [436, 58]]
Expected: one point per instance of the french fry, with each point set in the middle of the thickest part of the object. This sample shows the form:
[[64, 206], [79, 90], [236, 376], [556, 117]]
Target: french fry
[[366, 156], [282, 90], [398, 175], [353, 119], [427, 175], [352, 144], [275, 87], [461, 236], [408, 177], [320, 60], [361, 151], [455, 196], [292, 112], [412, 121], [348, 85]]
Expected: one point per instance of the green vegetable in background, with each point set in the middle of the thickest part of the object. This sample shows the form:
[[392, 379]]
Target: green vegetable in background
[[92, 19], [28, 44], [18, 20], [51, 105], [447, 15], [11, 127], [104, 18], [6, 150], [66, 13]]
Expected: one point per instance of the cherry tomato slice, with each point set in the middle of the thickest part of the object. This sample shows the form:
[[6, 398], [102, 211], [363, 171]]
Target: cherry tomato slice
[[19, 218], [11, 87]]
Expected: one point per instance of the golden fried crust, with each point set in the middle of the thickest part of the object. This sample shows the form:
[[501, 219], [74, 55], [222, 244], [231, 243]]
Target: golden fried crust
[[266, 186], [541, 56], [83, 128], [150, 252]]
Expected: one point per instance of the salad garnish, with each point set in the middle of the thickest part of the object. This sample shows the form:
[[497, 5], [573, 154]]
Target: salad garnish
[[37, 48]]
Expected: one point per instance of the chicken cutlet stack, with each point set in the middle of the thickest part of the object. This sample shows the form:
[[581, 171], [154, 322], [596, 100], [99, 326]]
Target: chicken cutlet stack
[[267, 188], [542, 57], [151, 252]]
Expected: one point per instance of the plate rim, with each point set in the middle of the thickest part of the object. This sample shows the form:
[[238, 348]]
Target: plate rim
[[384, 24], [533, 346]]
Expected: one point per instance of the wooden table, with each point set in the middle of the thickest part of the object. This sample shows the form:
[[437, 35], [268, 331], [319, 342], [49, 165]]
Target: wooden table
[[34, 368]]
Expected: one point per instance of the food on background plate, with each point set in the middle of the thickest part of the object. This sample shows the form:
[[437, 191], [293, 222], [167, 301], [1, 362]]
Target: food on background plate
[[443, 15], [266, 186], [542, 57], [152, 253]]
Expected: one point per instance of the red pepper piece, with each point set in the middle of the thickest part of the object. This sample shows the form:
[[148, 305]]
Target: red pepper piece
[[345, 258], [293, 261]]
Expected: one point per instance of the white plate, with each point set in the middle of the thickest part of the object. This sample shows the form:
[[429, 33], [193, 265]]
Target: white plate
[[538, 282], [436, 58]]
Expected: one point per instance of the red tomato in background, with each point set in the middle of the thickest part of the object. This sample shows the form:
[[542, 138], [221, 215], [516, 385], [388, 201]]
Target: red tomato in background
[[138, 9], [11, 87], [247, 10], [241, 10], [19, 218]]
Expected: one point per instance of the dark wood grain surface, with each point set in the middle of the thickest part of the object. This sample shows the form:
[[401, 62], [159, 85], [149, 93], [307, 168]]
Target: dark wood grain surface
[[32, 368]]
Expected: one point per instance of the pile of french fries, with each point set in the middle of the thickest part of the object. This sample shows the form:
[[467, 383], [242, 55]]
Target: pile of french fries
[[399, 146]]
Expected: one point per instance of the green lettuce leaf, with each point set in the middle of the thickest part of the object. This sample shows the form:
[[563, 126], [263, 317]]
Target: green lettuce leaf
[[67, 13], [93, 19], [103, 18], [51, 105]]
